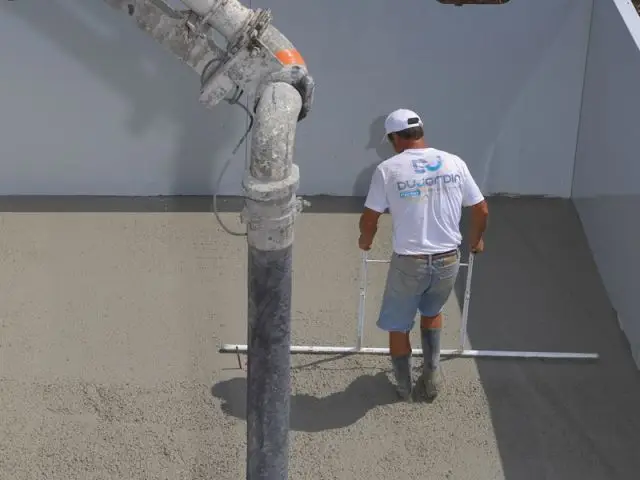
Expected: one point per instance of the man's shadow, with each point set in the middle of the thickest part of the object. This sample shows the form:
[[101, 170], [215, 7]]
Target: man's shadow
[[313, 414], [383, 150]]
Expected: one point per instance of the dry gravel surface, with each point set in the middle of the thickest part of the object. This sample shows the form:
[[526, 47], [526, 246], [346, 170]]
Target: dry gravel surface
[[110, 324]]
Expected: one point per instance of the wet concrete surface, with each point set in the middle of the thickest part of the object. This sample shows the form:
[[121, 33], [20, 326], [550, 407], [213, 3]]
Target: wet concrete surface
[[111, 316]]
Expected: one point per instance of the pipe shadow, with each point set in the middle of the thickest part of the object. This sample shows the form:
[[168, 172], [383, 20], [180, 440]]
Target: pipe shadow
[[536, 288], [314, 414]]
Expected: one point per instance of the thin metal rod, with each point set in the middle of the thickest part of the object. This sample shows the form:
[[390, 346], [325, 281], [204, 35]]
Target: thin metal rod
[[462, 342], [363, 299], [465, 304], [328, 350]]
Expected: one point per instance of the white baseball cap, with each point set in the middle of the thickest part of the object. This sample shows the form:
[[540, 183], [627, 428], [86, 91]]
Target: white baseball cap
[[401, 119]]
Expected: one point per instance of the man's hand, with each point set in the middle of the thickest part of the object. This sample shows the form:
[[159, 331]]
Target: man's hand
[[364, 243], [478, 247]]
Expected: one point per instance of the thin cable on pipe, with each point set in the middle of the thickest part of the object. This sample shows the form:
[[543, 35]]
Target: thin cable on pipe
[[233, 101], [207, 71]]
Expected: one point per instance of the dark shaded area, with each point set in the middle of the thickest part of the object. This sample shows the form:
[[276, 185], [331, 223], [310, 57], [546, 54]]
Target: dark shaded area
[[314, 414], [615, 243], [536, 288]]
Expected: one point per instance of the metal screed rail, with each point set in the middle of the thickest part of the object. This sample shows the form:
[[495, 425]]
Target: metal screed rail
[[461, 351]]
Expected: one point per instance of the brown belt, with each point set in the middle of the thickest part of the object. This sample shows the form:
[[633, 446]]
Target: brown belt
[[432, 256]]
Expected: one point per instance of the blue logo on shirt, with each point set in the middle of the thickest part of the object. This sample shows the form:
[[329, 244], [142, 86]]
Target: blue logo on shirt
[[423, 166], [413, 193], [430, 182]]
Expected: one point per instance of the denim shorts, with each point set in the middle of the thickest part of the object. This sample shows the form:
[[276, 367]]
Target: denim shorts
[[416, 284]]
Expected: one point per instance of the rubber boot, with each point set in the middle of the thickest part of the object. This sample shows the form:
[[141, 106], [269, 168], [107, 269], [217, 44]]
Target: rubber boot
[[431, 352], [402, 372]]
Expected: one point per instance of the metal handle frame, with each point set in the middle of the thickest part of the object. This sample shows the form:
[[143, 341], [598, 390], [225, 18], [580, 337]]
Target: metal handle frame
[[461, 351], [462, 344]]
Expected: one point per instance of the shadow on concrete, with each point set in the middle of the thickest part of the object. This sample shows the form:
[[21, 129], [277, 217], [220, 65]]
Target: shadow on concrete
[[313, 414], [536, 288], [151, 80]]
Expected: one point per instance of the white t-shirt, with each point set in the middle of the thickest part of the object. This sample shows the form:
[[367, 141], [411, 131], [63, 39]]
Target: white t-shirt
[[424, 190]]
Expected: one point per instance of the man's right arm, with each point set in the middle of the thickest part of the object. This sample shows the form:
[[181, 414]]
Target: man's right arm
[[375, 205], [472, 197], [479, 220]]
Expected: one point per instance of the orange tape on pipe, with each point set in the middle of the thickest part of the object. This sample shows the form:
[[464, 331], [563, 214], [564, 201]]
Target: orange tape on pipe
[[290, 57]]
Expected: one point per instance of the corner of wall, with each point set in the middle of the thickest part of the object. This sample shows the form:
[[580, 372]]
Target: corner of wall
[[630, 17], [635, 349], [587, 47]]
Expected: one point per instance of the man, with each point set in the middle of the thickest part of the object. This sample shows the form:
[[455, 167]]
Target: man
[[425, 190]]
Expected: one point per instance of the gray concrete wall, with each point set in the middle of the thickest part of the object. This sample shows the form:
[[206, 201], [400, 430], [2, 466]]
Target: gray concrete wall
[[92, 106], [605, 188]]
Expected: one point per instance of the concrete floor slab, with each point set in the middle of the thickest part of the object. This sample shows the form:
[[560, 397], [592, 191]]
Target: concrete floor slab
[[110, 323]]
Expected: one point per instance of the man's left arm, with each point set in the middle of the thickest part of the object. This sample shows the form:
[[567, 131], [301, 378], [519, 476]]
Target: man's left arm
[[374, 206]]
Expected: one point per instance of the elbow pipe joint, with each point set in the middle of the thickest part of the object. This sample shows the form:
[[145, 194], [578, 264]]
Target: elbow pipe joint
[[294, 70], [274, 131], [270, 184], [298, 77], [251, 30]]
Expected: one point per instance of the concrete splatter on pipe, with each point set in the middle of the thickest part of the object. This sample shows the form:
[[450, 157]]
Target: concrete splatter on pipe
[[229, 16], [226, 16], [271, 207], [167, 27], [272, 180]]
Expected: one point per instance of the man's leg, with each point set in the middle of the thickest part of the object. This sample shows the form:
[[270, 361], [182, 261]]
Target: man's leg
[[444, 273], [397, 315], [400, 350], [430, 329]]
